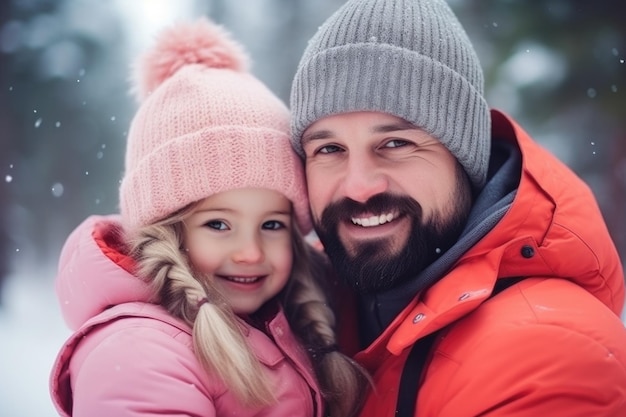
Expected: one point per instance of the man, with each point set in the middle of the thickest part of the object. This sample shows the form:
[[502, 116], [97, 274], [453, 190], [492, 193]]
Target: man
[[483, 275]]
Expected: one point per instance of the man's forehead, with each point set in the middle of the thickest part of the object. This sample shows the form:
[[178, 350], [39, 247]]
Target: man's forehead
[[324, 128]]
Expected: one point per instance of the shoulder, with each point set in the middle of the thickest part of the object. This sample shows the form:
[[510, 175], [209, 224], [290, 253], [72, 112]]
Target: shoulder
[[533, 348], [137, 335], [138, 363]]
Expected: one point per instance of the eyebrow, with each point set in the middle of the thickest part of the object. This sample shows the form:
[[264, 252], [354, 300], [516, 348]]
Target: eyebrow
[[394, 127], [385, 128], [320, 134], [204, 210]]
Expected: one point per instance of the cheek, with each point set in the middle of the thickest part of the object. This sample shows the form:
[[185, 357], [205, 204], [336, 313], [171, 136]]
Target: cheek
[[432, 188], [279, 255], [448, 182], [444, 189], [202, 256], [282, 256], [320, 188], [203, 262]]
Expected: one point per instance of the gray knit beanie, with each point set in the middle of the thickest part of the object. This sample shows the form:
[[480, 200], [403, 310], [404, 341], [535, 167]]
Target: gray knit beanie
[[408, 58]]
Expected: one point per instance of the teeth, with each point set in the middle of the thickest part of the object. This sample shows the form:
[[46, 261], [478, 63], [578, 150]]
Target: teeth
[[243, 280], [373, 220]]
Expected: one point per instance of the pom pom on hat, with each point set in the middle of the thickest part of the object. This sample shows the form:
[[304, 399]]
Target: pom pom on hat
[[204, 125], [199, 42]]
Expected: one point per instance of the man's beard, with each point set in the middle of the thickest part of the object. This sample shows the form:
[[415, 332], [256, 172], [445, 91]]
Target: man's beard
[[374, 266]]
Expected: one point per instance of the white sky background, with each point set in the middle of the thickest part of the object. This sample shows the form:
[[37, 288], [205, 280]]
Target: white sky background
[[31, 327], [144, 18]]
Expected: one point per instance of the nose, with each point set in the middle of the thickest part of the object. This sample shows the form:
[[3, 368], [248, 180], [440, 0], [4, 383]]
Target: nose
[[364, 178], [248, 250]]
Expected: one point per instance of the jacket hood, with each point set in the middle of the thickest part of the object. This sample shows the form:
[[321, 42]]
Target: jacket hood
[[554, 228], [93, 273]]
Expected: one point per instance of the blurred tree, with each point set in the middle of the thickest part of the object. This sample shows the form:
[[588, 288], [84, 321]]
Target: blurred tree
[[61, 118], [274, 32], [558, 66], [6, 129]]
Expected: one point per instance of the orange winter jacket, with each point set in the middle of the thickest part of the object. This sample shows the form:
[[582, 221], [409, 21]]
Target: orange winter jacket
[[551, 345]]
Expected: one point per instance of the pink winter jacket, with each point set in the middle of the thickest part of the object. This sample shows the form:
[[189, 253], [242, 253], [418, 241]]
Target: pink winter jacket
[[129, 357]]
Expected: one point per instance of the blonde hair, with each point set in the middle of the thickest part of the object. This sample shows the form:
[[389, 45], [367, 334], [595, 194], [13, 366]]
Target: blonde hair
[[312, 319], [217, 335]]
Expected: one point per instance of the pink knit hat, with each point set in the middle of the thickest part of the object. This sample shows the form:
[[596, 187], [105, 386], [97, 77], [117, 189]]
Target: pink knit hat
[[205, 125]]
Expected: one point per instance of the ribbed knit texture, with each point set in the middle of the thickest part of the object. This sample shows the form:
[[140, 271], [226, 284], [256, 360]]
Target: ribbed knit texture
[[204, 130], [408, 58]]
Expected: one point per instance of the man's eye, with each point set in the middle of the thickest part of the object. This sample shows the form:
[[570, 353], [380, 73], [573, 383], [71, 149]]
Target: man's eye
[[216, 224], [273, 225], [396, 143], [329, 149]]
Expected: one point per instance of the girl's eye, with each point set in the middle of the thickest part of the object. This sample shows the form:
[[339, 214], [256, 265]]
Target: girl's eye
[[273, 225], [216, 224]]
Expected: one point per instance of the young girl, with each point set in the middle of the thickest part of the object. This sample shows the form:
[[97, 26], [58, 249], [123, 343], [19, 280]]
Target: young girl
[[201, 298]]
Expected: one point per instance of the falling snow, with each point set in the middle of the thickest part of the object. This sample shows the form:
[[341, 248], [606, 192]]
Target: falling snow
[[57, 189]]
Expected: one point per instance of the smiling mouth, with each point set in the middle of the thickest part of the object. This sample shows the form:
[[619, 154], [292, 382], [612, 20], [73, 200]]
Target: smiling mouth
[[372, 221], [241, 280]]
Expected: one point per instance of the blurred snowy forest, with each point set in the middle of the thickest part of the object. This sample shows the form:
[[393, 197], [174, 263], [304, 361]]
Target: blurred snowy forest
[[558, 66]]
